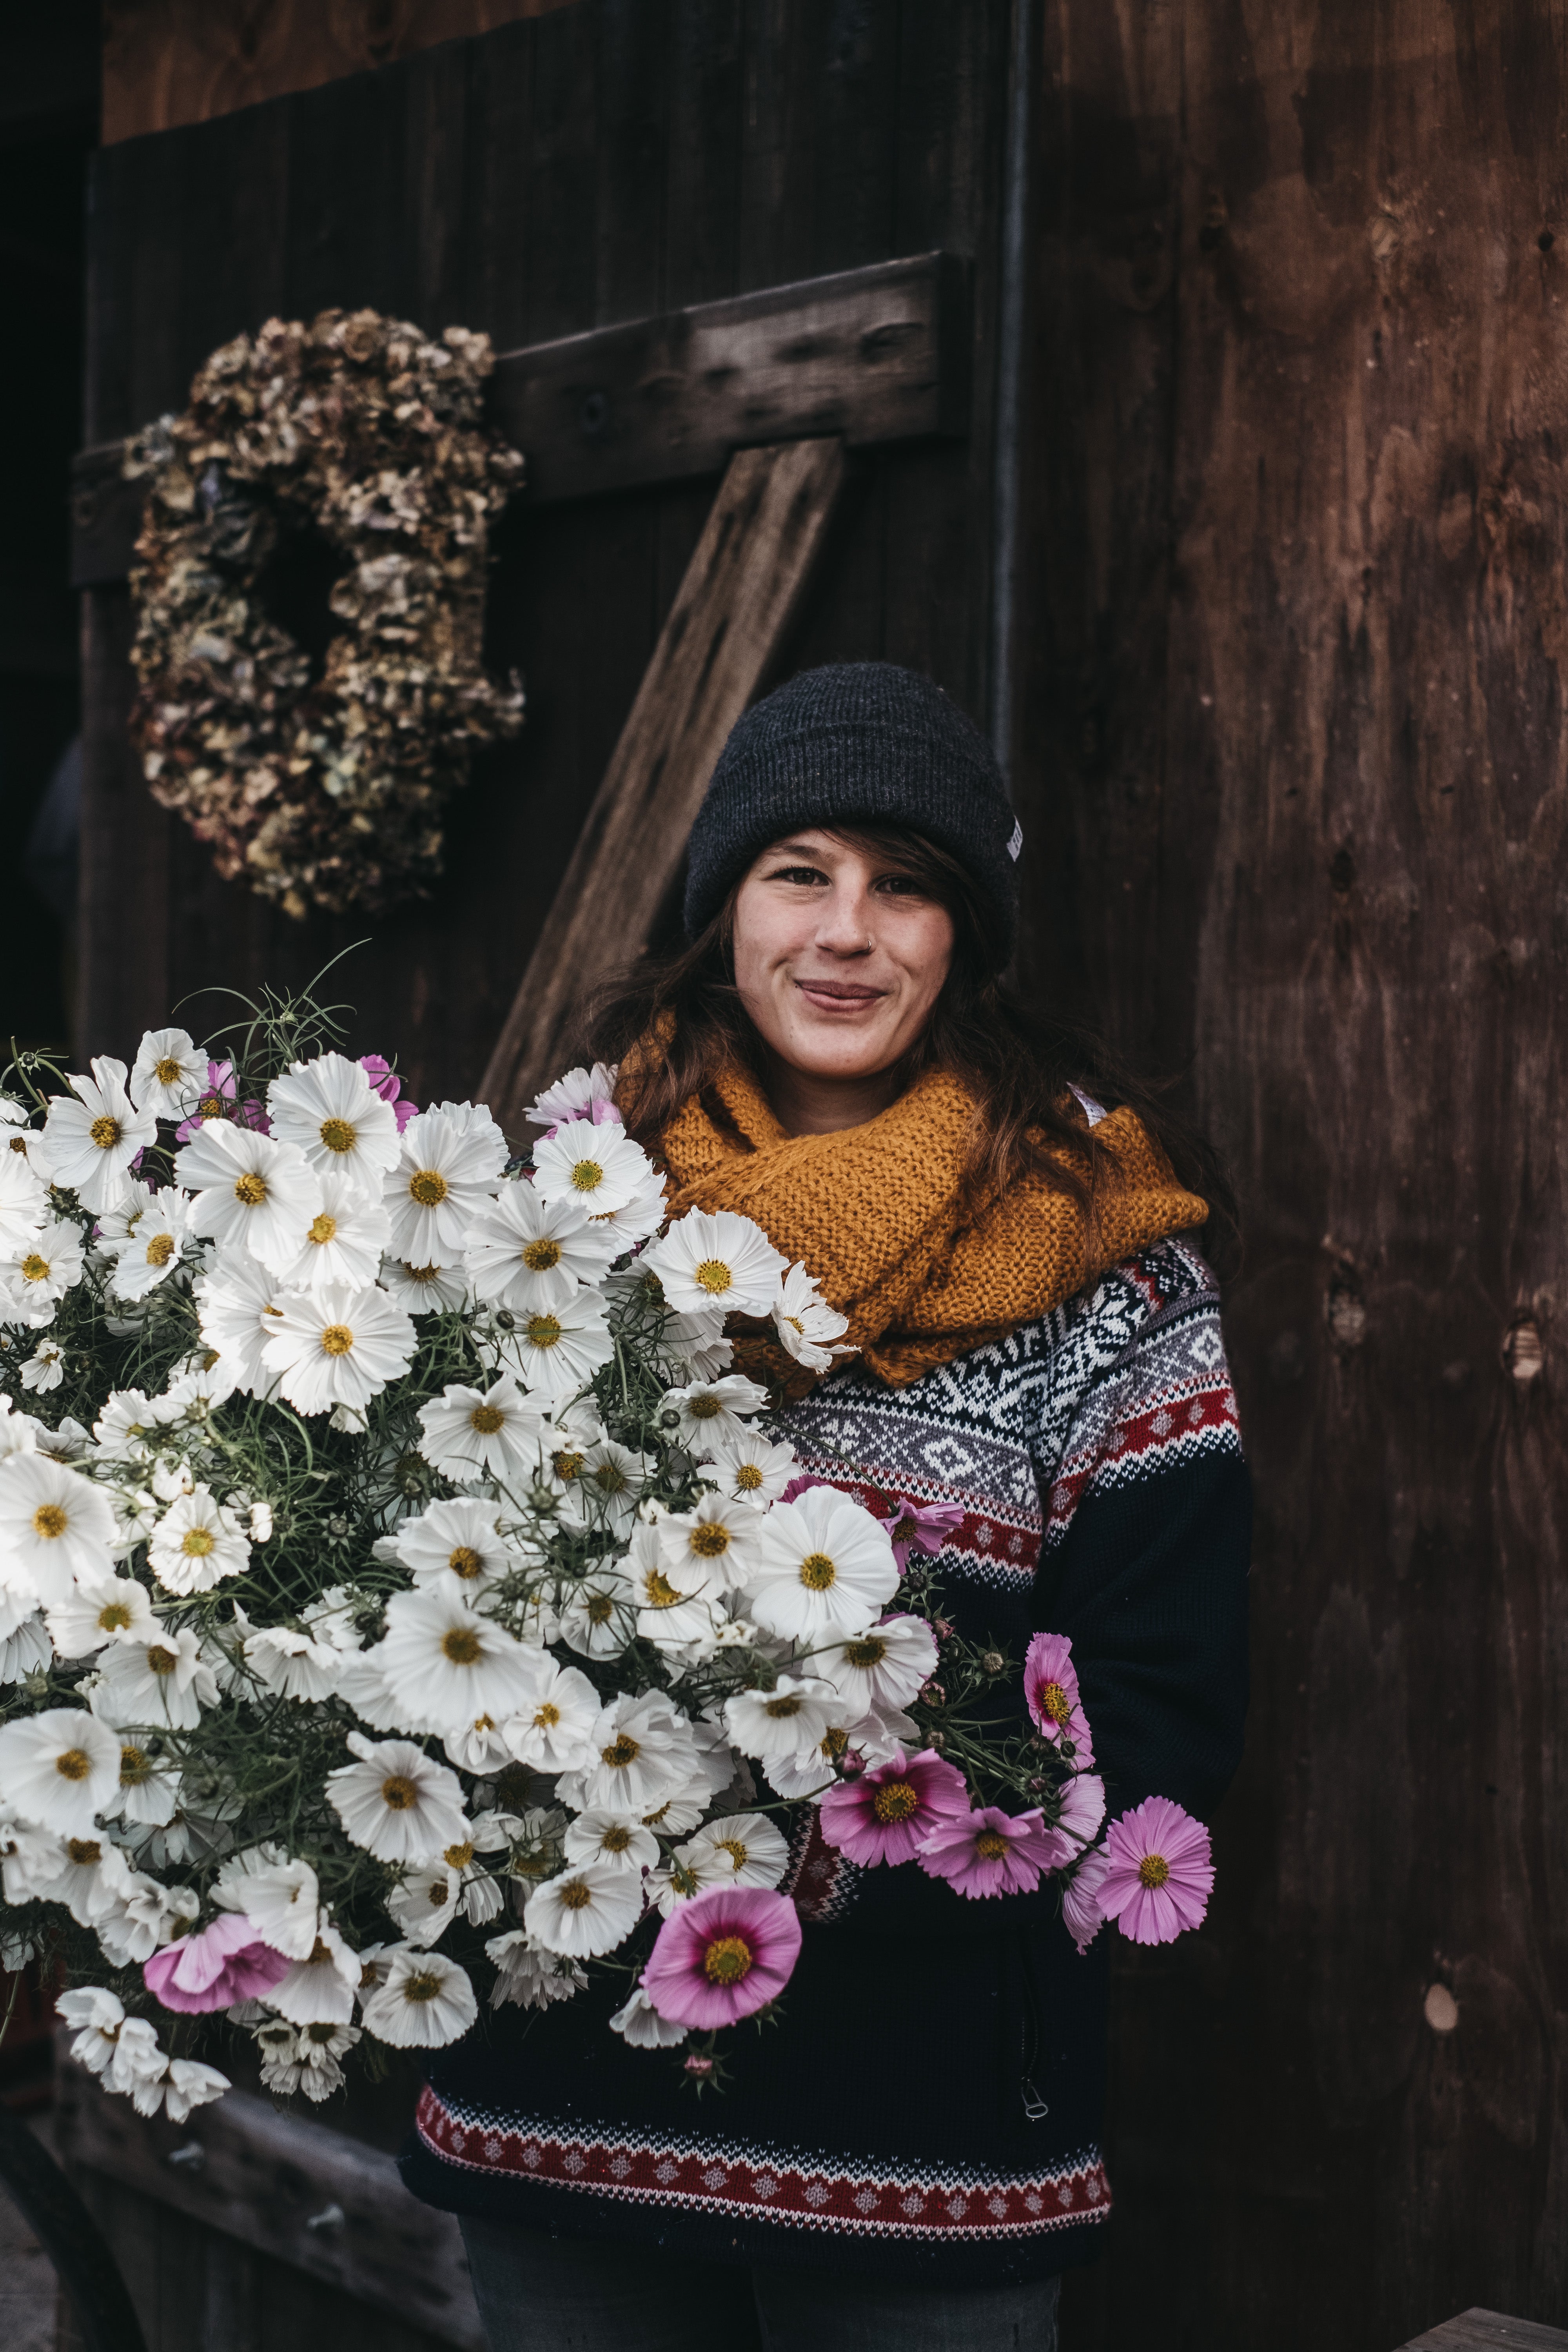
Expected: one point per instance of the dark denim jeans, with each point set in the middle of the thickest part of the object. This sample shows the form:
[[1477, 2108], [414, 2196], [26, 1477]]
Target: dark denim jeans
[[538, 2294]]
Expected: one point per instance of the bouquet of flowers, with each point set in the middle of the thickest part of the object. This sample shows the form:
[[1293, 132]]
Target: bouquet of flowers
[[404, 1600]]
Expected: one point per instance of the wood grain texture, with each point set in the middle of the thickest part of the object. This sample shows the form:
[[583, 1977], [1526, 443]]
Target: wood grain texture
[[249, 2172], [1297, 522], [730, 614], [1488, 2331]]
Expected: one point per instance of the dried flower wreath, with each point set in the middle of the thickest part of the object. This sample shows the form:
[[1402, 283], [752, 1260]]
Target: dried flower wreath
[[354, 443]]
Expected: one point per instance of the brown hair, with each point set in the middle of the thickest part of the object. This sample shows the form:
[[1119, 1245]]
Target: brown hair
[[684, 1011]]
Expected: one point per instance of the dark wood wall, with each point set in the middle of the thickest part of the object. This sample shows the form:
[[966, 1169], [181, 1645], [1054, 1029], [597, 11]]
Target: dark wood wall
[[1297, 521], [610, 160]]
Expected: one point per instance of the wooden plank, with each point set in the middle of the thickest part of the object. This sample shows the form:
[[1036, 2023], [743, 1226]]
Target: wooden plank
[[738, 595], [868, 355], [263, 2177], [1488, 2331]]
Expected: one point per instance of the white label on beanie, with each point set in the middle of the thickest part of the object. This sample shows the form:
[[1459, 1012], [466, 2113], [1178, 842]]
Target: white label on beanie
[[1015, 841]]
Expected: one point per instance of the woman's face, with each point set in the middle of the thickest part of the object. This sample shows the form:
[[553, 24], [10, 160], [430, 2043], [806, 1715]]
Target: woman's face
[[839, 960]]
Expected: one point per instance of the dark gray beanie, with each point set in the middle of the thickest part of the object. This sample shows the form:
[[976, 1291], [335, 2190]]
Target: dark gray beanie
[[857, 743]]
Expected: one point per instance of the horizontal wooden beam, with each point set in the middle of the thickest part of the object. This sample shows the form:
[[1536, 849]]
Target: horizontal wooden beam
[[742, 589], [868, 355], [291, 2188], [1489, 2331]]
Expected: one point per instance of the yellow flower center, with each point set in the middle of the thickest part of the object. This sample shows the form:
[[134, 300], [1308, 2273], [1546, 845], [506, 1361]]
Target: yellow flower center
[[547, 1716], [621, 1752], [727, 1960], [574, 1896], [425, 1986], [36, 1269], [113, 1617], [458, 1857], [465, 1563], [599, 1608], [817, 1571], [540, 1256], [1054, 1703], [421, 1273], [161, 1661], [868, 1652], [991, 1845], [167, 1071], [487, 1419], [782, 1708], [428, 1187], [86, 1853], [462, 1645], [735, 1848], [617, 1839], [895, 1801], [544, 1332], [833, 1745], [251, 1188], [322, 1229], [337, 1135], [567, 1466], [105, 1132], [73, 1764], [160, 1249], [748, 1478], [714, 1275], [657, 1591], [197, 1542], [50, 1520], [610, 1479], [1153, 1870], [709, 1538], [336, 1339], [399, 1792], [134, 1767], [322, 2032], [587, 1176], [704, 1407], [19, 1143]]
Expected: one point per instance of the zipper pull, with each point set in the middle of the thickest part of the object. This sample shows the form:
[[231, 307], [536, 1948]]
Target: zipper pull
[[1033, 2106]]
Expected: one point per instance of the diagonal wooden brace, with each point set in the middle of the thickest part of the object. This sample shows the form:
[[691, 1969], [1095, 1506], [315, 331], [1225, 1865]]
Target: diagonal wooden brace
[[742, 589]]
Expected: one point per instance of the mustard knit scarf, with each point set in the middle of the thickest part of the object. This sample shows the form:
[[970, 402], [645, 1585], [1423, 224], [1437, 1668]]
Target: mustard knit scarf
[[874, 1213]]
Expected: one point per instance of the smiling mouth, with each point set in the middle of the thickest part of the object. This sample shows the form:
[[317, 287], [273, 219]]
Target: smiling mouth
[[846, 998]]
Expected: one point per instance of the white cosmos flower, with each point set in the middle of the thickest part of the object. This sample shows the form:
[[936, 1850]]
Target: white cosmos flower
[[36, 1278], [643, 1753], [329, 1110], [198, 1383], [494, 1431], [606, 1485], [25, 1643], [169, 1074], [55, 1526], [344, 1243], [129, 1427], [689, 1872], [806, 1323], [718, 1541], [89, 1875], [559, 1349], [18, 1430], [149, 1255], [320, 1988], [639, 2023], [337, 1345], [710, 1411], [824, 1567], [588, 1909], [294, 1662], [596, 1617], [449, 1160], [594, 1164], [444, 1663], [96, 2015], [59, 1769], [396, 1802], [149, 1792], [574, 1096], [753, 1469], [529, 1975], [748, 1844], [460, 1538], [118, 1225], [872, 1738], [250, 1189], [277, 1893], [553, 1729], [674, 1609], [479, 1747], [142, 1917], [640, 1215], [423, 2002], [617, 1841], [425, 1906], [100, 1609], [91, 1136], [164, 1682], [712, 1260], [196, 1544], [24, 1200], [883, 1666], [188, 2084], [237, 1303], [530, 1254], [424, 1290], [790, 1719], [693, 1348], [44, 1368]]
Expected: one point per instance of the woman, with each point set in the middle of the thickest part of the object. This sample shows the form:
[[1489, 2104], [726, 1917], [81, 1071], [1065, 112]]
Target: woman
[[908, 2156]]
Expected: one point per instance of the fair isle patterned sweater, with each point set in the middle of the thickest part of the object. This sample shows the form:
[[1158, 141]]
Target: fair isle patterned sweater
[[928, 2104]]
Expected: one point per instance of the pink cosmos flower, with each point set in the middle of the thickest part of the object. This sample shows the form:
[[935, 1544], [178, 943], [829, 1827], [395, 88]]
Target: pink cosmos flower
[[1160, 1874], [1083, 1809], [723, 1954], [989, 1852], [921, 1526], [887, 1814], [214, 1103], [226, 1963], [1050, 1686], [1080, 1898], [385, 1082]]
